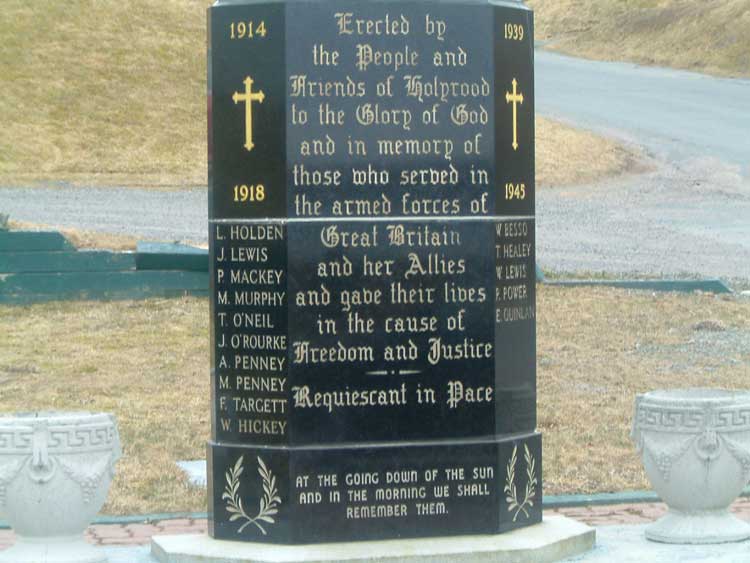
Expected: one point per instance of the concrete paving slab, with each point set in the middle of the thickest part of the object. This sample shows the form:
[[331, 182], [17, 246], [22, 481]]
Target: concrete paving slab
[[628, 544], [138, 554], [555, 538], [614, 544]]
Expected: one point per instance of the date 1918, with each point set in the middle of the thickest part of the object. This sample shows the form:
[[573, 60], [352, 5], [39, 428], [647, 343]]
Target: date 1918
[[249, 194]]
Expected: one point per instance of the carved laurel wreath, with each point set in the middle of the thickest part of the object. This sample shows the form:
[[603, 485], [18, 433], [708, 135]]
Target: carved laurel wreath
[[269, 503], [510, 483]]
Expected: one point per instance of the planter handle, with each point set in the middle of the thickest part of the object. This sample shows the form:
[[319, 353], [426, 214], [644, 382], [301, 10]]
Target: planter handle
[[42, 466]]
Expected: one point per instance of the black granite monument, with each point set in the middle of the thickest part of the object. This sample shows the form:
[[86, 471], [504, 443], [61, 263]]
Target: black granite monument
[[371, 206]]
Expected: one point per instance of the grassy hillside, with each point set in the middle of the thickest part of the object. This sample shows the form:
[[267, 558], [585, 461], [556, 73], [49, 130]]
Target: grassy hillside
[[568, 156], [112, 92], [706, 36], [103, 87]]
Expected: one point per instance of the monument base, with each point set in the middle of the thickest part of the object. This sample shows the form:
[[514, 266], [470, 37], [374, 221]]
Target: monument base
[[374, 492], [555, 538]]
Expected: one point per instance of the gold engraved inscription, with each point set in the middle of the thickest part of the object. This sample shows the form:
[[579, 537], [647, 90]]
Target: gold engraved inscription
[[249, 97], [247, 30], [514, 98]]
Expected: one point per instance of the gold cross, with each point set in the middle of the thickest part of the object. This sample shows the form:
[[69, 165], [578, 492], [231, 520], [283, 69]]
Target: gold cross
[[249, 97], [514, 98]]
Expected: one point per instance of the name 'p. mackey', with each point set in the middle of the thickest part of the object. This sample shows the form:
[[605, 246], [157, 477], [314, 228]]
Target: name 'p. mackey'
[[371, 219]]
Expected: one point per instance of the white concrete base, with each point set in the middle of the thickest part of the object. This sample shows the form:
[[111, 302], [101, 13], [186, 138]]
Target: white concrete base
[[53, 550], [719, 526], [554, 539]]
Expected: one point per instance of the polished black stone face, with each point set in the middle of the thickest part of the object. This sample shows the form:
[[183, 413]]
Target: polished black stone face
[[312, 353], [430, 96], [310, 495], [373, 269]]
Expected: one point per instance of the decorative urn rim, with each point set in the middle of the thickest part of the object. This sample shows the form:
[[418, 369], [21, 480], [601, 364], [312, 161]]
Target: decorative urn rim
[[692, 410], [708, 420], [57, 416], [695, 446], [698, 397], [63, 432], [56, 468]]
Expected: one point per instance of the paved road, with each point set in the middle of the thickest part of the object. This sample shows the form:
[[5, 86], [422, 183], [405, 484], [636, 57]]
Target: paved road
[[675, 114], [688, 216]]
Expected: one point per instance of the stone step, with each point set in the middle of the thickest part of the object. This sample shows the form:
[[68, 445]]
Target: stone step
[[33, 241], [684, 286], [160, 256], [554, 539], [65, 261]]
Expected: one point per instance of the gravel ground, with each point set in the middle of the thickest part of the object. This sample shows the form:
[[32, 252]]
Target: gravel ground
[[707, 351], [164, 215], [689, 219]]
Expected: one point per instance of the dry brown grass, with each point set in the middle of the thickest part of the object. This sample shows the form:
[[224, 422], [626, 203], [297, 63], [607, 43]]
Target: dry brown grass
[[711, 37], [114, 88], [599, 347], [147, 362], [112, 93], [568, 156]]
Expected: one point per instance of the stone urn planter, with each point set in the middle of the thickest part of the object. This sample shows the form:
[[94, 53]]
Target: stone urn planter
[[695, 445], [55, 472]]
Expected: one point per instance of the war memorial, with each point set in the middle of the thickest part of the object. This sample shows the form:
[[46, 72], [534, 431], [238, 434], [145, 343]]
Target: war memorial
[[371, 225]]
